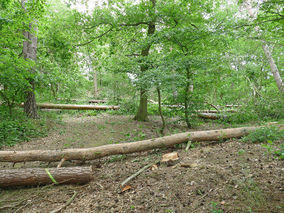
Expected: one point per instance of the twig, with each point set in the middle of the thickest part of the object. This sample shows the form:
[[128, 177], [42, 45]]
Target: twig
[[61, 162], [212, 106], [137, 173], [187, 146], [67, 203], [19, 209]]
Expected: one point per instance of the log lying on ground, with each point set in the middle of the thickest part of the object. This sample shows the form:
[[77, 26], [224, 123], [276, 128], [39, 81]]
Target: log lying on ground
[[201, 111], [213, 116], [232, 105], [67, 99], [75, 107], [97, 101], [173, 106], [215, 111], [123, 148], [40, 176]]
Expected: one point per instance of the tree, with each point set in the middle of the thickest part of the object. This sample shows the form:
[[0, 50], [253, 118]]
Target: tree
[[270, 8], [135, 27], [60, 62], [30, 53], [14, 69]]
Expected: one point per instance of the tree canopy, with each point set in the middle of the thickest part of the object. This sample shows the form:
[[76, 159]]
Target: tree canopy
[[193, 52]]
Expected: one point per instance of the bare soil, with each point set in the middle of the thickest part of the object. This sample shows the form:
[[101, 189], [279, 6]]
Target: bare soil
[[229, 176]]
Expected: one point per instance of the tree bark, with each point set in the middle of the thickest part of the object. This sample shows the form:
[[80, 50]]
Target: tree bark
[[273, 68], [160, 111], [30, 107], [186, 98], [142, 113], [40, 176], [124, 148], [30, 53], [212, 116], [96, 92], [76, 107]]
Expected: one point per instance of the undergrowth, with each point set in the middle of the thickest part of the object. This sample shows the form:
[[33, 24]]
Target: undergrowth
[[268, 136], [17, 127], [264, 134]]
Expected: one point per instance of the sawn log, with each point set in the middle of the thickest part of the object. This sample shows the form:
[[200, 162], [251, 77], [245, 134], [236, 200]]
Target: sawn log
[[124, 148], [40, 176], [75, 107]]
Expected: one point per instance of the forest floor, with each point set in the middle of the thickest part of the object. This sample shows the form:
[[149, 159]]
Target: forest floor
[[231, 176]]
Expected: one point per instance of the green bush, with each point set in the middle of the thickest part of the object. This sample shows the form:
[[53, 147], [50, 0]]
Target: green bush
[[264, 134], [279, 152], [127, 107], [17, 128]]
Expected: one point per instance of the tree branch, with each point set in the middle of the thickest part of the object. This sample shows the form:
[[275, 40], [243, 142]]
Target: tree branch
[[134, 24], [94, 38], [262, 22]]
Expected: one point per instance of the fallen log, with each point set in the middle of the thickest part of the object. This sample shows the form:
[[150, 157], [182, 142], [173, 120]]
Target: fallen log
[[40, 176], [67, 99], [201, 111], [173, 106], [75, 107], [232, 105], [124, 148], [213, 116], [97, 101], [215, 111]]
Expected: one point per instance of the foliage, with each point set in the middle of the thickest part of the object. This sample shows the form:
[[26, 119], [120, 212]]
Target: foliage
[[200, 52], [14, 70], [214, 208], [277, 150], [264, 134], [18, 128]]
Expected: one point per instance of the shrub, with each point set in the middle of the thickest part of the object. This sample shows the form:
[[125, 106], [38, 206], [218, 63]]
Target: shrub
[[264, 134], [19, 128]]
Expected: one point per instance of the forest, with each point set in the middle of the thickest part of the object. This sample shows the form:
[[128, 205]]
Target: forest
[[141, 106]]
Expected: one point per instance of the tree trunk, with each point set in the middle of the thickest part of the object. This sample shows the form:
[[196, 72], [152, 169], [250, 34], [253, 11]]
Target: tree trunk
[[96, 92], [273, 68], [186, 98], [160, 111], [29, 53], [124, 148], [142, 113], [30, 106], [175, 92], [40, 176], [75, 107]]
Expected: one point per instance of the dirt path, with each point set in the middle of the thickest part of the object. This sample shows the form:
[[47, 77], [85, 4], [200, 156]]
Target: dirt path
[[82, 132], [222, 177]]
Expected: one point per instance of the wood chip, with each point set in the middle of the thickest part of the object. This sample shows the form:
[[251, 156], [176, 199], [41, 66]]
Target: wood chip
[[173, 156]]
